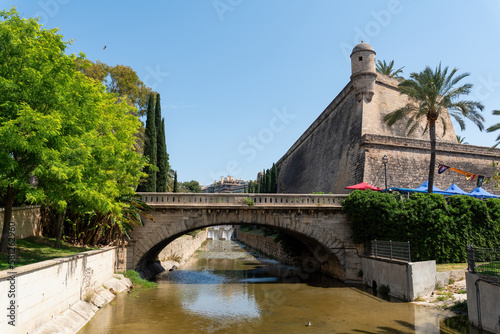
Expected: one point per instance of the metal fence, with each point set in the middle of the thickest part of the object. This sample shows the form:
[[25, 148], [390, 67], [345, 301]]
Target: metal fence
[[393, 250], [485, 261]]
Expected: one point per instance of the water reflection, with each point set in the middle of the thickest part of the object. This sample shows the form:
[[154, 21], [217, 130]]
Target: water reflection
[[225, 289]]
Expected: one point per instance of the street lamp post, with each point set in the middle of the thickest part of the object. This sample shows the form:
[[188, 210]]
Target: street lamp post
[[384, 161]]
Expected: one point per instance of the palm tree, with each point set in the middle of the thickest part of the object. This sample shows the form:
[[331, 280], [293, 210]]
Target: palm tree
[[432, 93], [388, 69], [461, 140], [495, 128]]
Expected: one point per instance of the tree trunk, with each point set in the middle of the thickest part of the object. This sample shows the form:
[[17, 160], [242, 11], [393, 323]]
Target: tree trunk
[[432, 163], [60, 223], [7, 217]]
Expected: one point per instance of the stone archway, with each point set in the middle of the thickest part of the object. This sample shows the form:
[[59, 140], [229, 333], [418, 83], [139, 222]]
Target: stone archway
[[324, 230]]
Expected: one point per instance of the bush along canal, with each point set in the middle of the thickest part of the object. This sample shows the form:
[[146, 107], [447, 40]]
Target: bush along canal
[[227, 288]]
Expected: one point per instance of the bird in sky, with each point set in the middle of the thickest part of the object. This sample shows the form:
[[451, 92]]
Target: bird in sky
[[105, 47]]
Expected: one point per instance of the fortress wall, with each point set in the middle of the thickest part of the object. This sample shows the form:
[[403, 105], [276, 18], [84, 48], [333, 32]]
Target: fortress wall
[[408, 164], [327, 156]]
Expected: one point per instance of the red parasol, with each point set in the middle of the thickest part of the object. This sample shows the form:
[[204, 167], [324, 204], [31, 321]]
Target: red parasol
[[364, 186]]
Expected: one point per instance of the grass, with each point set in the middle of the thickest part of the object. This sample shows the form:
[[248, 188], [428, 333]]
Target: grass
[[492, 268], [37, 249], [450, 266], [138, 281]]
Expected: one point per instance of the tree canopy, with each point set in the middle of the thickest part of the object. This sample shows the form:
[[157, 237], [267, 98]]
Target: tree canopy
[[60, 127]]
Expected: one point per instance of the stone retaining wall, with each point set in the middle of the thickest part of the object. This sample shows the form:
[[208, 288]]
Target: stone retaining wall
[[266, 245], [181, 249], [483, 301], [41, 292], [27, 221], [406, 281]]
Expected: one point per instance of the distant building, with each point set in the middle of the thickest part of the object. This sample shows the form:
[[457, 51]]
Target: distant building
[[227, 185]]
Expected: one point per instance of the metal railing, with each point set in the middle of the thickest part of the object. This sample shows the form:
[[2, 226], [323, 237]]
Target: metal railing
[[485, 261], [393, 250]]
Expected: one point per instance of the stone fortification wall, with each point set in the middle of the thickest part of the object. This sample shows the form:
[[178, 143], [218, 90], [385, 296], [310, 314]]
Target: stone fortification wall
[[181, 249], [27, 221], [345, 146], [265, 245], [41, 292], [408, 164], [327, 155]]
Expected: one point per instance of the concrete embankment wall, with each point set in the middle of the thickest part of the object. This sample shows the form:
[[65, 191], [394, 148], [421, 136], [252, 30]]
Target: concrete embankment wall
[[483, 301], [266, 245], [43, 291], [26, 219], [405, 280], [181, 249]]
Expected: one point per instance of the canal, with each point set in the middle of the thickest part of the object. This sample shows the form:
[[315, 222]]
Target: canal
[[226, 289]]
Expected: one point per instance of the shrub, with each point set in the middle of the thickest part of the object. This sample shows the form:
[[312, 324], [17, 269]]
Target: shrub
[[437, 228]]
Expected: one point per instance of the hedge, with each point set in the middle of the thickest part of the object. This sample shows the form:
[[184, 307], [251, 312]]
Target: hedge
[[438, 228]]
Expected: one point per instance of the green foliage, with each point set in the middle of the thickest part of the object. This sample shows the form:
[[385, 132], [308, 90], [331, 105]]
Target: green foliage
[[192, 186], [437, 229], [138, 281], [61, 126], [150, 149], [248, 201], [389, 69], [162, 156], [176, 184], [36, 249]]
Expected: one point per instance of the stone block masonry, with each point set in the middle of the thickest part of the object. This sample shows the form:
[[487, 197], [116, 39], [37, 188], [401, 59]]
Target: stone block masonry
[[265, 245], [26, 219]]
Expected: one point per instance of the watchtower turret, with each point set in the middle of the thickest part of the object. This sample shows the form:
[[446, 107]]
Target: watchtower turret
[[363, 74]]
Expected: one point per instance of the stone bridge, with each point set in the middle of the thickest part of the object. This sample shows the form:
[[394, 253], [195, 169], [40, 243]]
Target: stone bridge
[[316, 220]]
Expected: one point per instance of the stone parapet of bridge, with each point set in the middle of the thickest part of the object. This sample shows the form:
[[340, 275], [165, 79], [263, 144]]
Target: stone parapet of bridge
[[248, 201]]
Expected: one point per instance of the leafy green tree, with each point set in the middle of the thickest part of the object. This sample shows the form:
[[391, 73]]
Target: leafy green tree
[[61, 127], [162, 156], [29, 95], [388, 69], [121, 80], [150, 149], [431, 93], [191, 186]]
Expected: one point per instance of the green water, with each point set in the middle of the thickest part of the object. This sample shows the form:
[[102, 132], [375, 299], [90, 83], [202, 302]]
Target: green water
[[225, 289]]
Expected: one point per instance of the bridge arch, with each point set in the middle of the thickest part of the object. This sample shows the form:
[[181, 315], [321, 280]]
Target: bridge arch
[[315, 220]]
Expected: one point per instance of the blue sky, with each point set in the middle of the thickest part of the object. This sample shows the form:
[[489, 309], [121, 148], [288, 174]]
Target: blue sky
[[241, 80]]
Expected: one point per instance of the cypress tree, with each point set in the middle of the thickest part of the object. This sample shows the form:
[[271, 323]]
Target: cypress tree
[[176, 185], [268, 181], [263, 186], [150, 148], [274, 179], [161, 153]]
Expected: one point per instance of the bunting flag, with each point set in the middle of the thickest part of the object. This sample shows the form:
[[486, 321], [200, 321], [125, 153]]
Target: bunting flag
[[466, 174], [480, 180], [469, 176], [442, 168]]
